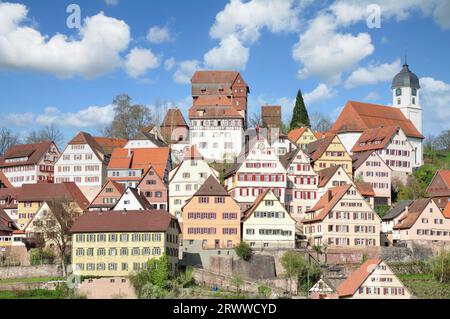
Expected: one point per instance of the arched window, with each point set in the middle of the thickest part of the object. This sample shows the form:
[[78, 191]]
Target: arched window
[[414, 92], [398, 92]]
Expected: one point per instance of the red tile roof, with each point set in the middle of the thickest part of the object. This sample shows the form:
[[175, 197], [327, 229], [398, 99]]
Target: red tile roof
[[126, 221], [446, 211], [100, 145], [375, 139], [414, 211], [316, 149], [51, 192], [295, 134], [365, 189], [219, 77], [120, 188], [212, 187], [357, 278], [327, 202], [271, 116], [140, 158], [358, 117], [4, 181], [174, 118], [35, 152], [192, 153], [213, 100], [326, 174]]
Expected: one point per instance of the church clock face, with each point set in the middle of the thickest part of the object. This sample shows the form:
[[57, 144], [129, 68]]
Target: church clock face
[[398, 92]]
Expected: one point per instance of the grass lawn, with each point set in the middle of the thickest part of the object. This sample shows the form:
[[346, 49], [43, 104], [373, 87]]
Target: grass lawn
[[29, 280], [31, 294], [425, 286]]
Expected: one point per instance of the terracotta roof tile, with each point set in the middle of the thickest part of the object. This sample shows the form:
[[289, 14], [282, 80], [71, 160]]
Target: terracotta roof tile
[[174, 118], [357, 278], [192, 153], [34, 152], [140, 158], [375, 139], [358, 117], [295, 134], [446, 211], [211, 187], [129, 221], [414, 212], [365, 189], [326, 174], [271, 116], [360, 158], [214, 77], [316, 149], [4, 181], [101, 146]]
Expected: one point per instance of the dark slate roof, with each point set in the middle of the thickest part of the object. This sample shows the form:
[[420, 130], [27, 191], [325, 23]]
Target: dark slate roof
[[397, 209], [406, 79], [211, 187]]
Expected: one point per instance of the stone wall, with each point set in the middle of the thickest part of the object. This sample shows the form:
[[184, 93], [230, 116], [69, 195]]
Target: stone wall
[[107, 288], [30, 271]]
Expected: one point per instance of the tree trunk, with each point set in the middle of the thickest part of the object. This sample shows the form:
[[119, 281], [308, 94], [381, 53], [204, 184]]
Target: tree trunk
[[63, 266]]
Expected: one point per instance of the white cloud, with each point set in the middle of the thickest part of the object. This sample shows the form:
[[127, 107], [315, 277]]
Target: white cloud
[[321, 93], [95, 51], [158, 35], [239, 25], [90, 117], [112, 2], [372, 97], [169, 64], [185, 70], [435, 101], [139, 61], [230, 55], [325, 53], [373, 74]]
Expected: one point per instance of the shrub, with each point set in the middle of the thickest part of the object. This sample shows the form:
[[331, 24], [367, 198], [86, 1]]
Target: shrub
[[264, 291], [440, 267], [157, 274], [39, 256], [244, 251]]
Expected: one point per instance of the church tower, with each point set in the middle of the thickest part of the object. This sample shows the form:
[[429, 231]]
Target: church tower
[[406, 95]]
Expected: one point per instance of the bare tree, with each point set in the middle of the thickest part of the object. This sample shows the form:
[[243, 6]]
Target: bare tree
[[48, 133], [255, 120], [129, 118], [7, 139], [320, 122], [54, 225]]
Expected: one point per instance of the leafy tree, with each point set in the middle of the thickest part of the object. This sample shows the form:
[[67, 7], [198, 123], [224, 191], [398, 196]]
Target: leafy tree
[[440, 267], [244, 251], [300, 115], [151, 291], [48, 133], [7, 139], [129, 118], [381, 210], [156, 274], [293, 264], [39, 256]]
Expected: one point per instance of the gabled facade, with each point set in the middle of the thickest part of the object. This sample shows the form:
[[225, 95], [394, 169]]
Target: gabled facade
[[302, 183], [30, 163], [342, 218], [256, 171], [267, 224], [327, 152], [332, 177], [174, 128], [212, 217], [186, 179], [9, 203], [121, 243], [128, 166], [84, 162], [393, 147], [423, 220], [132, 200], [302, 137], [439, 188], [392, 218], [32, 196], [370, 168], [153, 188], [217, 128], [108, 197], [373, 280]]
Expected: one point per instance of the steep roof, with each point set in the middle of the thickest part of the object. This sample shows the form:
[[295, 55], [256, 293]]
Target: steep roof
[[145, 134], [4, 181], [174, 118], [192, 153], [101, 146], [327, 202], [375, 139], [211, 187], [316, 149], [213, 112], [406, 78], [295, 134], [123, 221], [357, 278], [119, 187], [446, 211], [34, 152], [51, 192], [326, 174], [213, 100], [140, 158], [358, 117], [249, 211], [271, 116], [360, 158], [444, 174], [9, 195], [414, 212], [397, 210], [214, 77], [365, 189], [4, 216]]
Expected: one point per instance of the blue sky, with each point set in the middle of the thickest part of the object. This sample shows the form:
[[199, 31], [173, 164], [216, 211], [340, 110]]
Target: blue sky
[[52, 74]]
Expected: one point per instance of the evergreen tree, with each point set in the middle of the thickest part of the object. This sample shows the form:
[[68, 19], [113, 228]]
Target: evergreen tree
[[300, 115]]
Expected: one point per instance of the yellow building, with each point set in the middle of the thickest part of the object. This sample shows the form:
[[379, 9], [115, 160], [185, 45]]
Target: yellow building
[[120, 243], [302, 137], [329, 151]]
